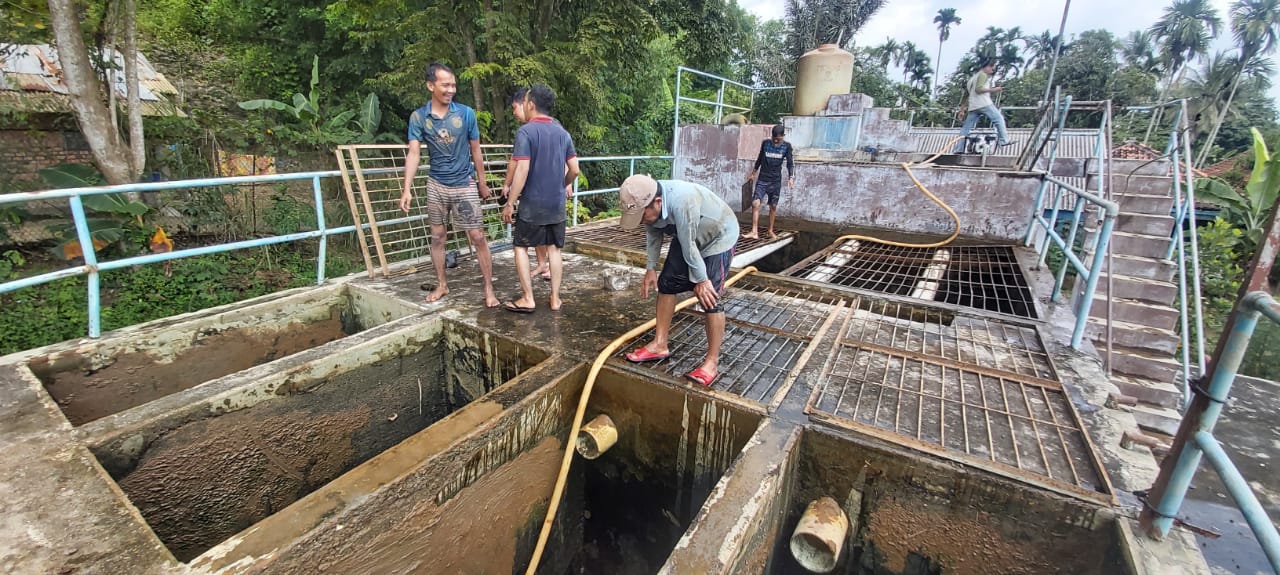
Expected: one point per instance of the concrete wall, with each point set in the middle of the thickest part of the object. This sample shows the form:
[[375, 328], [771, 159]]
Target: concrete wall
[[991, 204]]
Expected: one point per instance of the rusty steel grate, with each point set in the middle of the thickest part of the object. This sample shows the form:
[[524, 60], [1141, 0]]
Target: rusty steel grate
[[946, 336], [767, 330], [1023, 427], [987, 278], [980, 277], [615, 236]]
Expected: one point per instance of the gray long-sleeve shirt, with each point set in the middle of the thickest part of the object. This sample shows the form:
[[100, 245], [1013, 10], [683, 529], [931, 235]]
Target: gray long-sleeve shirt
[[701, 221]]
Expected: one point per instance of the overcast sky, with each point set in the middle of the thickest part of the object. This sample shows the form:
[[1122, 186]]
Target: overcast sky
[[913, 20]]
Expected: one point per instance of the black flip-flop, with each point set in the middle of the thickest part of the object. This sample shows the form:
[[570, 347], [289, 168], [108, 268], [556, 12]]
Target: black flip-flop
[[513, 308]]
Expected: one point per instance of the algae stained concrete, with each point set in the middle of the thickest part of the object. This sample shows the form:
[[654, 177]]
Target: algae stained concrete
[[991, 204]]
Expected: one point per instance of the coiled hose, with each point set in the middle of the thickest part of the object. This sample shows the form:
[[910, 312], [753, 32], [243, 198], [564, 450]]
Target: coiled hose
[[613, 346]]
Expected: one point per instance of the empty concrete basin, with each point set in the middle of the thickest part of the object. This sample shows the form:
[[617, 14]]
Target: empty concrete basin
[[136, 365], [912, 516], [219, 464]]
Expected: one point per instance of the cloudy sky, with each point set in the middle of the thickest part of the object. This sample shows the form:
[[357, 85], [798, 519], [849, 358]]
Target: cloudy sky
[[913, 20]]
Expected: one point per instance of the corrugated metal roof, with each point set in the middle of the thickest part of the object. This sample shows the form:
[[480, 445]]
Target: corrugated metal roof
[[31, 80], [1072, 143]]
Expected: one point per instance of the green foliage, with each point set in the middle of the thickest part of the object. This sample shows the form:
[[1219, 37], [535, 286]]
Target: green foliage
[[10, 262], [1220, 276], [1220, 271], [287, 215], [1248, 210], [71, 176], [319, 129], [110, 217], [58, 311]]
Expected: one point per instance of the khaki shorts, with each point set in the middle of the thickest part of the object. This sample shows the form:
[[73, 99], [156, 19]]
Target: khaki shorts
[[462, 201]]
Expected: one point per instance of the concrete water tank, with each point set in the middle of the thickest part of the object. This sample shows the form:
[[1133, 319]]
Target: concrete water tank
[[820, 73]]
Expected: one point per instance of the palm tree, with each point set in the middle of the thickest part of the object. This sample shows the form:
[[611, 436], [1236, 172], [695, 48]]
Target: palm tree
[[945, 19], [1255, 24], [887, 52], [1040, 48], [1184, 32], [1138, 51], [910, 55], [920, 72]]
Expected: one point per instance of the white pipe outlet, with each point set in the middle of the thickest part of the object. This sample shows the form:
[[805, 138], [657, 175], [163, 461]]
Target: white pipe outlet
[[819, 538], [597, 437]]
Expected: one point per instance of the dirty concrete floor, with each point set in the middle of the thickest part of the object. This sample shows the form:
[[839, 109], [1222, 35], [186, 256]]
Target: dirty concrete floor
[[1248, 433]]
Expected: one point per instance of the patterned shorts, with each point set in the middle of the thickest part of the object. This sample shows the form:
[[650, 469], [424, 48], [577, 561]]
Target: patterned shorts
[[462, 201]]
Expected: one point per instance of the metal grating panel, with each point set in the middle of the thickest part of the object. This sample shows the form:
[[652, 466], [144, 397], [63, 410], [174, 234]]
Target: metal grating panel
[[767, 330], [956, 339], [635, 239], [1019, 426], [981, 277], [987, 278]]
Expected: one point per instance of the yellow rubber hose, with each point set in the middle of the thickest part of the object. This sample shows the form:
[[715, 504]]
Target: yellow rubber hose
[[907, 166], [567, 460]]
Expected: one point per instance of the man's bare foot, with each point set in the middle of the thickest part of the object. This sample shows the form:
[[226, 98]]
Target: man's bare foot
[[772, 235], [653, 347], [751, 236], [438, 294], [490, 300], [556, 303]]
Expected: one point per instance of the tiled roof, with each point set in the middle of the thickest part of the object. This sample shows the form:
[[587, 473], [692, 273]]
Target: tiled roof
[[1133, 150], [1222, 167]]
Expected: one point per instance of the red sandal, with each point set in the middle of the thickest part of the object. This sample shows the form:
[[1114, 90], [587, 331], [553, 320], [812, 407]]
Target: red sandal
[[702, 377], [643, 355]]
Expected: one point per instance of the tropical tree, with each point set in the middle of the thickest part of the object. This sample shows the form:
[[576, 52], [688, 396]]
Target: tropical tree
[[120, 156], [911, 58], [1040, 48], [1251, 209], [814, 22], [945, 19], [1184, 31], [1138, 50], [888, 52], [1255, 25]]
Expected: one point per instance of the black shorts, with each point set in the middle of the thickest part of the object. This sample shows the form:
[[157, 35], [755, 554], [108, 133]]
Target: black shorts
[[674, 278], [771, 190], [527, 235]]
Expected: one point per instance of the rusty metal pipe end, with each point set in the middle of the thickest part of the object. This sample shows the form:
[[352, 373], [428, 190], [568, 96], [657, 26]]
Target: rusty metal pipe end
[[1115, 400], [597, 437], [819, 538]]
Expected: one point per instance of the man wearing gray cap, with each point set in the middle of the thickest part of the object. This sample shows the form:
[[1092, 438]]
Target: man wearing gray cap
[[704, 231]]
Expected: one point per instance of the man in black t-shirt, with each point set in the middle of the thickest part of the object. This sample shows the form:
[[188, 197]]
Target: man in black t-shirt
[[545, 162], [773, 152]]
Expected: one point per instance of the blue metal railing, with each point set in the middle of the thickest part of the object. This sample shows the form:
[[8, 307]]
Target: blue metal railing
[[92, 267], [1178, 151], [631, 170], [1200, 431], [1047, 227]]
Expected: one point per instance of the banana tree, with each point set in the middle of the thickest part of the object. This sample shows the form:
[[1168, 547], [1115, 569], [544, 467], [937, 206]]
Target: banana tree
[[1248, 210], [306, 109], [108, 216]]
